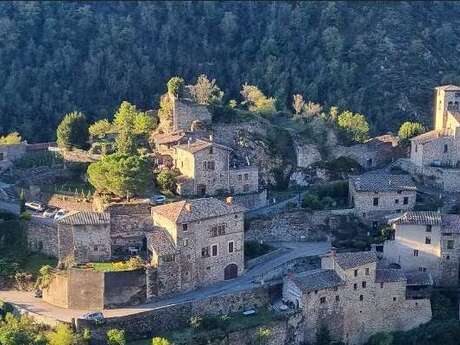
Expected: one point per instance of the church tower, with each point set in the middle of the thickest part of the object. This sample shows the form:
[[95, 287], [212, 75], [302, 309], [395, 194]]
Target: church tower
[[447, 98]]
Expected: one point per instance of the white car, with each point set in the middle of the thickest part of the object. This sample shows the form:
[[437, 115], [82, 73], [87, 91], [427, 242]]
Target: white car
[[36, 206], [97, 316], [50, 212], [158, 199], [60, 214]]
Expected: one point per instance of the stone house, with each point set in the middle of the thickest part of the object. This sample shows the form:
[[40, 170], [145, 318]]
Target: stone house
[[426, 242], [206, 169], [164, 146], [375, 195], [196, 243], [436, 153], [353, 298], [10, 153], [85, 237]]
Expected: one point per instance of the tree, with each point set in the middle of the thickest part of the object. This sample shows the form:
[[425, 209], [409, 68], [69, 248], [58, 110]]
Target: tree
[[125, 142], [61, 335], [20, 331], [312, 109], [160, 341], [176, 86], [298, 103], [73, 131], [262, 336], [410, 129], [116, 337], [120, 174], [10, 139], [354, 125], [166, 180], [100, 128], [381, 338], [206, 91], [257, 101]]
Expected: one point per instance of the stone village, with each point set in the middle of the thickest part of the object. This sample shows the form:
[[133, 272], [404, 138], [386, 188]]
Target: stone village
[[193, 249]]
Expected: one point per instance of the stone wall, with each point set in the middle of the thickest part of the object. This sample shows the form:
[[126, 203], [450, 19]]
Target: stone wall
[[42, 236], [185, 112], [174, 316], [368, 155], [306, 154], [252, 201], [12, 152], [92, 243], [90, 290]]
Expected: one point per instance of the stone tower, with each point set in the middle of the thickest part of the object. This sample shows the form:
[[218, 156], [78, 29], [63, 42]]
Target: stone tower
[[447, 99]]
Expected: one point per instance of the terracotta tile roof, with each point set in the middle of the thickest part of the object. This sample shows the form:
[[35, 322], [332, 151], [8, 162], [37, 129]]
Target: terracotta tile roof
[[317, 279], [450, 223], [388, 275], [85, 218], [201, 144], [160, 241], [418, 218], [427, 137], [381, 182], [166, 138], [417, 278], [355, 259], [448, 87], [199, 209]]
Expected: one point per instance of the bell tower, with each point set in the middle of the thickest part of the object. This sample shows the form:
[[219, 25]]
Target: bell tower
[[447, 98]]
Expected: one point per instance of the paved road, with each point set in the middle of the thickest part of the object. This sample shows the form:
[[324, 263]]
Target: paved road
[[296, 249]]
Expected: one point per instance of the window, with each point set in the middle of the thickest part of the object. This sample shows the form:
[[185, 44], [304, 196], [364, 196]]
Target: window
[[366, 271], [211, 150], [184, 227], [361, 297], [406, 200], [396, 201], [217, 230], [240, 177], [394, 299], [450, 244], [246, 177], [214, 250], [337, 298], [381, 285], [230, 247], [2, 156], [428, 228], [422, 269], [428, 240], [415, 252], [364, 285], [376, 201], [355, 286], [399, 191], [185, 242], [168, 258], [205, 252], [322, 300], [416, 147], [447, 257], [246, 188], [445, 148], [356, 273], [95, 248]]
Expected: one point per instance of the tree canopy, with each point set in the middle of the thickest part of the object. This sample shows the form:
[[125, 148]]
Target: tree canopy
[[410, 129], [120, 174], [354, 125], [11, 138], [73, 131]]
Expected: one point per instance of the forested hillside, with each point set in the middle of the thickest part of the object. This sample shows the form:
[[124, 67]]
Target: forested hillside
[[379, 59]]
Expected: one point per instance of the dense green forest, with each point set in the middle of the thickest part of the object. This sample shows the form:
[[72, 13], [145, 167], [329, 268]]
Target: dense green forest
[[379, 59]]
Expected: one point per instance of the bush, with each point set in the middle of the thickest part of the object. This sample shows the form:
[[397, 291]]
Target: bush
[[311, 202], [160, 341], [253, 249], [116, 337], [166, 180], [73, 131]]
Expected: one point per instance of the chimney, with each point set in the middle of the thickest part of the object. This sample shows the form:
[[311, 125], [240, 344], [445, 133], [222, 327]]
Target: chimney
[[188, 207], [211, 138], [229, 200]]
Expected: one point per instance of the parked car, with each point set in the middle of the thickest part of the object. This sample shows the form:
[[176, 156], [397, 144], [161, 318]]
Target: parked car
[[60, 214], [36, 206], [50, 212], [97, 316], [158, 199]]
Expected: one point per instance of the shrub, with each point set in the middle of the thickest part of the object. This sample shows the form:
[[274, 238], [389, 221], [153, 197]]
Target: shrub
[[73, 131], [253, 249], [166, 180], [160, 341], [176, 86], [311, 201], [116, 337]]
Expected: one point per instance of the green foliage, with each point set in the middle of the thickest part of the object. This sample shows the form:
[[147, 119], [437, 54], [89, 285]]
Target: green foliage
[[410, 129], [61, 335], [160, 341], [73, 131], [10, 139], [444, 305], [100, 128], [262, 336], [166, 180], [253, 249], [256, 101], [21, 331], [206, 91], [311, 202], [45, 277], [382, 338], [354, 125], [116, 337], [120, 174], [176, 86]]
